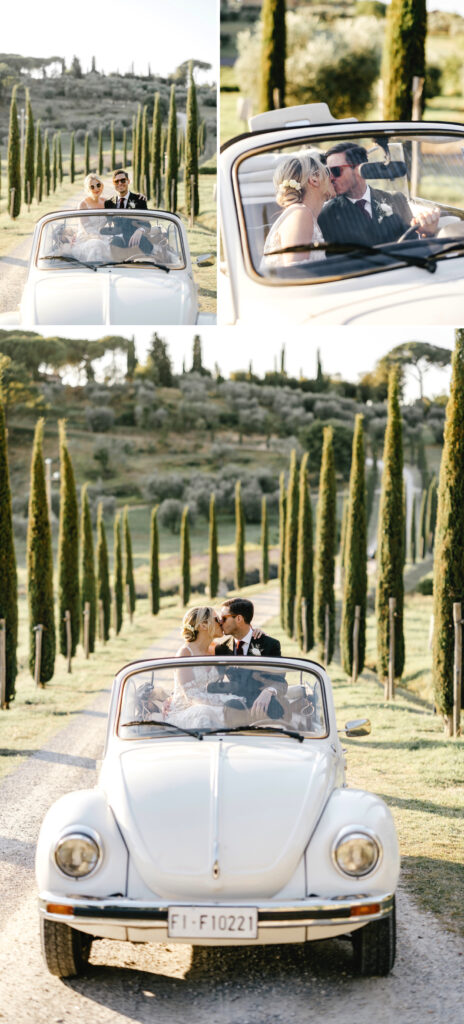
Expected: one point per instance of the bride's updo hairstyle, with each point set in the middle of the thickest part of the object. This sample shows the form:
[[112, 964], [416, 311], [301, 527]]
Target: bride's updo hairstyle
[[192, 621], [293, 173]]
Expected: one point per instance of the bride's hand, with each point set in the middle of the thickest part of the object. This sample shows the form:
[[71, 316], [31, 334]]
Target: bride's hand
[[257, 634]]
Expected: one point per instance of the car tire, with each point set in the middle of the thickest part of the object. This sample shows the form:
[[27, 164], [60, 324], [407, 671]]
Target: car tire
[[65, 950], [374, 946]]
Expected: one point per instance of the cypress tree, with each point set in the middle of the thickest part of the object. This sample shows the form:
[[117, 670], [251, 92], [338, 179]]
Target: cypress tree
[[264, 542], [343, 537], [191, 149], [40, 564], [8, 576], [54, 163], [39, 183], [431, 513], [133, 145], [412, 538], [282, 525], [213, 549], [422, 525], [355, 561], [390, 544], [87, 154], [103, 577], [88, 587], [129, 570], [14, 161], [138, 147], [145, 155], [326, 529], [170, 186], [72, 159], [118, 572], [113, 147], [46, 164], [273, 52], [154, 562], [448, 575], [291, 543], [304, 563], [239, 580], [404, 56], [29, 147], [100, 152], [68, 549], [124, 147], [185, 557], [59, 156]]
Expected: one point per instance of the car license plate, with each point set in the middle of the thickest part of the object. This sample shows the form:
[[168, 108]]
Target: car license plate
[[213, 922]]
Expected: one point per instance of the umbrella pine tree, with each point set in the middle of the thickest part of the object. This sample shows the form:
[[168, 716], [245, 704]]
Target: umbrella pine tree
[[213, 549], [448, 576], [88, 587], [8, 575], [304, 612], [355, 556], [390, 543], [154, 562], [40, 565], [326, 529], [68, 550]]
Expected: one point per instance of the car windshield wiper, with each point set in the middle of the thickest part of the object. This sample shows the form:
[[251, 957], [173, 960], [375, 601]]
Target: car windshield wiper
[[67, 259], [357, 248], [258, 728], [137, 259], [164, 725]]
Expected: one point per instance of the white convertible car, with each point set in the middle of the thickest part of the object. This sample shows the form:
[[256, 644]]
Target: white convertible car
[[110, 267], [399, 278], [236, 832]]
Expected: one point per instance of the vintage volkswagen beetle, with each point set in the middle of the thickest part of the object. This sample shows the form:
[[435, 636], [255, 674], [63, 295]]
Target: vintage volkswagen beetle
[[85, 269], [241, 833], [410, 280]]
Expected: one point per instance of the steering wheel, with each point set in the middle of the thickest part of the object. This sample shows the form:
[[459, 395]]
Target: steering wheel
[[410, 232]]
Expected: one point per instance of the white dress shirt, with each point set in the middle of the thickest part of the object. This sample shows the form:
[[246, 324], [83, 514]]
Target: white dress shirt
[[246, 641], [367, 200]]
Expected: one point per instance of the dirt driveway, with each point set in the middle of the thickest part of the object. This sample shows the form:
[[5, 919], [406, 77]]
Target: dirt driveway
[[175, 984]]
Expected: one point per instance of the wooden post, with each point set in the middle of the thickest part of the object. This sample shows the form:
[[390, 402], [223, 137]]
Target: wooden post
[[326, 634], [192, 200], [276, 99], [128, 602], [304, 623], [391, 653], [87, 629], [67, 619], [356, 626], [101, 620], [38, 630], [457, 672], [12, 199], [3, 700]]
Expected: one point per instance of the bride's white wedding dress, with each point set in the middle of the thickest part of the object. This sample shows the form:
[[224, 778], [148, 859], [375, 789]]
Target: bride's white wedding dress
[[274, 241], [192, 707]]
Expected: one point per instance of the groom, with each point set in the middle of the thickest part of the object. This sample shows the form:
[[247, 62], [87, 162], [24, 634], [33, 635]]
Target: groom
[[260, 693], [127, 232]]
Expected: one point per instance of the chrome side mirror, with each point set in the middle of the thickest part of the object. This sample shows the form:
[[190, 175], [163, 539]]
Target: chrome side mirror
[[206, 260], [358, 727]]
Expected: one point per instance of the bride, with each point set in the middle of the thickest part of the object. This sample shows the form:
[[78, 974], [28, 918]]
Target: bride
[[191, 706], [302, 186]]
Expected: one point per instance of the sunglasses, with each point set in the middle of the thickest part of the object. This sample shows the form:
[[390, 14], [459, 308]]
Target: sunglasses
[[120, 181], [219, 621], [95, 187], [335, 172]]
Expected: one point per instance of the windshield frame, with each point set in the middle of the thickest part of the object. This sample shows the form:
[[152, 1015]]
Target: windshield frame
[[313, 134], [282, 664], [40, 262]]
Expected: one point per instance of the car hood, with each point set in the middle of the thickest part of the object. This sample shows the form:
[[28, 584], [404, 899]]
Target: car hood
[[113, 295], [219, 817]]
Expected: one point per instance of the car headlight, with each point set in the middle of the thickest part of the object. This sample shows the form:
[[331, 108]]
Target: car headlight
[[78, 854], [356, 852]]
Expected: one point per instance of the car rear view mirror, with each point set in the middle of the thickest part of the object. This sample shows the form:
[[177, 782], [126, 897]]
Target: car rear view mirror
[[376, 169]]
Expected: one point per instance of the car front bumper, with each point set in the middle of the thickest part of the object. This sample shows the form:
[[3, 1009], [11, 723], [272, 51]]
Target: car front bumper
[[142, 921]]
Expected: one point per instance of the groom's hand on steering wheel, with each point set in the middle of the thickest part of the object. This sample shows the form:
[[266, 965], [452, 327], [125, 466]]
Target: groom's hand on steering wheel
[[261, 704], [135, 238]]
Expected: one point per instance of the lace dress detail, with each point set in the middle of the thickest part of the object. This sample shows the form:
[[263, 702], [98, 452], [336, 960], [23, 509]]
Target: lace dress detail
[[274, 241], [192, 707]]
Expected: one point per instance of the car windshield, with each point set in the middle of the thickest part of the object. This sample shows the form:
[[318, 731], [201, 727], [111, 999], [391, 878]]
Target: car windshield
[[350, 204], [223, 694], [110, 238]]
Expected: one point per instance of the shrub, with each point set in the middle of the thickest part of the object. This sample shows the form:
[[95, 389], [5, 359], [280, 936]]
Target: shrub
[[100, 420], [170, 514], [165, 485]]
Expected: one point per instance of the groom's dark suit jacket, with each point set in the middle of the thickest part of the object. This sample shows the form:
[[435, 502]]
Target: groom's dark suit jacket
[[342, 221], [125, 227], [241, 681], [140, 203]]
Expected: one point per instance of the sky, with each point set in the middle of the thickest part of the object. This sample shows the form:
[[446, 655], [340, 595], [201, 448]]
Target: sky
[[162, 33], [344, 350]]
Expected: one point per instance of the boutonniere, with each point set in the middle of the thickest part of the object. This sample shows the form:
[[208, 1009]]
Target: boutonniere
[[254, 650], [383, 210], [131, 205]]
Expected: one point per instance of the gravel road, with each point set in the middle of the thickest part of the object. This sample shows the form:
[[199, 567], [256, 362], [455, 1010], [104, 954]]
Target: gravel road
[[13, 273], [172, 984]]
